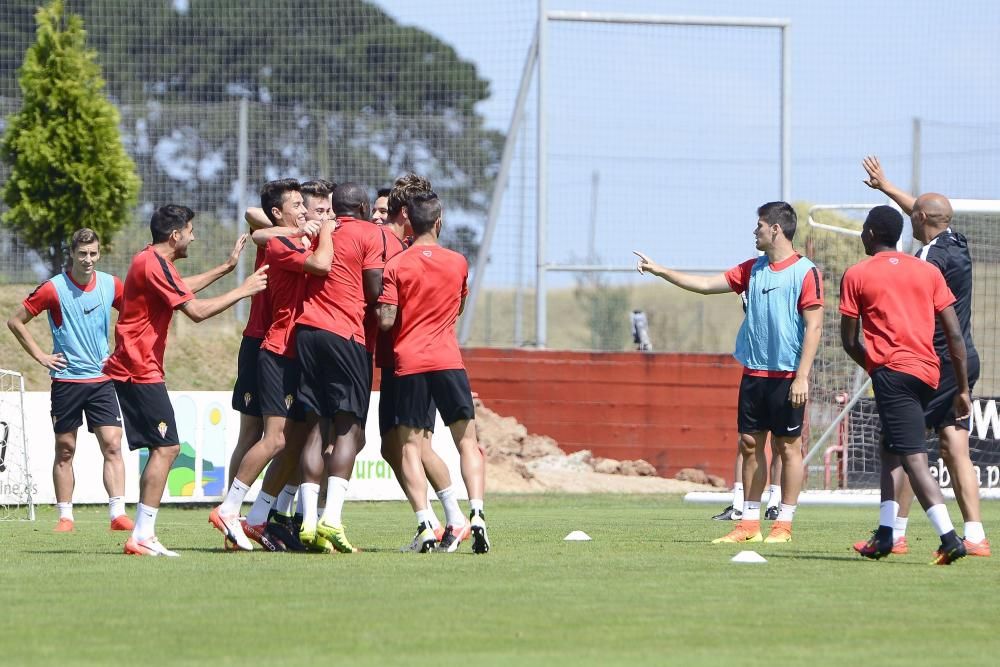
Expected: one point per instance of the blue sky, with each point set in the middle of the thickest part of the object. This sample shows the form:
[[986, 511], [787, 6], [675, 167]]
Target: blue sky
[[682, 123]]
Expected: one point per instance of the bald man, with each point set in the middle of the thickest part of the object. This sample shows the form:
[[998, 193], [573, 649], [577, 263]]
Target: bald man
[[930, 214]]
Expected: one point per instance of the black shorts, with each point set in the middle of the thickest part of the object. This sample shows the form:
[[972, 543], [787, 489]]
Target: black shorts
[[336, 373], [419, 394], [387, 401], [148, 413], [278, 385], [940, 411], [764, 406], [245, 391], [901, 399], [70, 400]]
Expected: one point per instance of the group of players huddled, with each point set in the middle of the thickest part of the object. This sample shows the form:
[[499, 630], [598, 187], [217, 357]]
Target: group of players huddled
[[339, 287]]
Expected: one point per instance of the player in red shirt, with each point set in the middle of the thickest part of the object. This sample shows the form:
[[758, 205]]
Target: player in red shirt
[[288, 259], [336, 368], [153, 290], [380, 209], [424, 289], [80, 330], [896, 298]]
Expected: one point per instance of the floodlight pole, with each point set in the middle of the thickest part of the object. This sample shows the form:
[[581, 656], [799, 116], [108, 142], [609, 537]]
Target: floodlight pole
[[541, 323], [242, 177]]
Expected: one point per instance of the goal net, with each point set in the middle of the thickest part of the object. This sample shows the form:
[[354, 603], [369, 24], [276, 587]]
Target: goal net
[[842, 414], [16, 488]]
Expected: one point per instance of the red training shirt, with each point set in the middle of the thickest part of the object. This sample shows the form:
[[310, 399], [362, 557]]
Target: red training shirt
[[259, 320], [378, 342], [153, 289], [286, 280], [427, 283], [897, 298], [336, 302]]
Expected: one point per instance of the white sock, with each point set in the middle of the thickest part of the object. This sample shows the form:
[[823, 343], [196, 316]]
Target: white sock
[[145, 522], [476, 505], [899, 528], [234, 499], [786, 512], [751, 510], [435, 523], [974, 531], [286, 499], [258, 511], [938, 514], [452, 512], [65, 510], [336, 494], [116, 506], [738, 496], [774, 496], [308, 500], [424, 516], [887, 511]]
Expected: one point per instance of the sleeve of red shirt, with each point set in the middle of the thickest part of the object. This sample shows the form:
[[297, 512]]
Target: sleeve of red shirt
[[812, 290], [374, 250], [43, 298], [283, 254], [849, 305], [738, 277], [942, 295], [390, 293], [164, 281], [119, 293]]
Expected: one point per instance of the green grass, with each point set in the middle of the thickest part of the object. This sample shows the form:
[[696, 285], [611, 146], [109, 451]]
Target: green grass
[[648, 589]]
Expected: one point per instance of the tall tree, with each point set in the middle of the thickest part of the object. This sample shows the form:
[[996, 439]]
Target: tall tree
[[68, 166]]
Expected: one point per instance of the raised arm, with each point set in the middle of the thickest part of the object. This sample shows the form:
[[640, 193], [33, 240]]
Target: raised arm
[[198, 310], [957, 352], [877, 181], [256, 218], [716, 284], [318, 263], [309, 228], [17, 325], [202, 280]]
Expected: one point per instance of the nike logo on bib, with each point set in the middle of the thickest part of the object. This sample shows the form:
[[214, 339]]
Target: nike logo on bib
[[765, 291], [88, 312], [792, 428]]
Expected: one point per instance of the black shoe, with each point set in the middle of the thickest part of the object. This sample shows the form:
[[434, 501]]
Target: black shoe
[[771, 513], [280, 533], [728, 514], [952, 548]]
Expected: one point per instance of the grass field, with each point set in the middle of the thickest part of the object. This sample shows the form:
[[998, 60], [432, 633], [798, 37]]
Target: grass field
[[647, 590]]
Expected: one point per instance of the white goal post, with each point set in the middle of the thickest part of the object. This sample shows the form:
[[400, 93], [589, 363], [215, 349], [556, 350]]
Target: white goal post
[[16, 486]]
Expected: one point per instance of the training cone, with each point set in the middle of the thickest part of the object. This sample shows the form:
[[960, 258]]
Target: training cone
[[748, 557], [577, 536]]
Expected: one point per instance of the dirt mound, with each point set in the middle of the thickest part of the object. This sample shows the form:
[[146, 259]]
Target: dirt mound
[[520, 462]]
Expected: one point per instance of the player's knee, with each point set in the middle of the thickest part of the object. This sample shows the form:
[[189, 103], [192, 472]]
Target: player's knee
[[748, 445]]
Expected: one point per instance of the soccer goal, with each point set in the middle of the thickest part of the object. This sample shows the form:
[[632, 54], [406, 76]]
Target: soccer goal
[[16, 488], [845, 425]]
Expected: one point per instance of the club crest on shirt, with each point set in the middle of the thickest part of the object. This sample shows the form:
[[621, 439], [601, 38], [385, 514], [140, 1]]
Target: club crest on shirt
[[288, 401], [893, 260], [427, 253], [247, 397], [162, 429]]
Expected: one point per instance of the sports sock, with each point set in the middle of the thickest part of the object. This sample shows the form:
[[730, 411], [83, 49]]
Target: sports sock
[[774, 496], [435, 523], [424, 517], [145, 522], [887, 511], [974, 531], [116, 506], [738, 496], [938, 514], [786, 513], [899, 528], [308, 500], [751, 510], [65, 510], [258, 511], [286, 499], [234, 499], [336, 494], [452, 512], [476, 505]]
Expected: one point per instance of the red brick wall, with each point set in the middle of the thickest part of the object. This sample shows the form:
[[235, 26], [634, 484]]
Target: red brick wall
[[673, 410]]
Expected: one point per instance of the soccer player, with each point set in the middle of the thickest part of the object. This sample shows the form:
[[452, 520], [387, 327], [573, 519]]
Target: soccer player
[[948, 250], [380, 211], [896, 297], [336, 368], [424, 289], [776, 344], [79, 303], [153, 290], [278, 369]]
